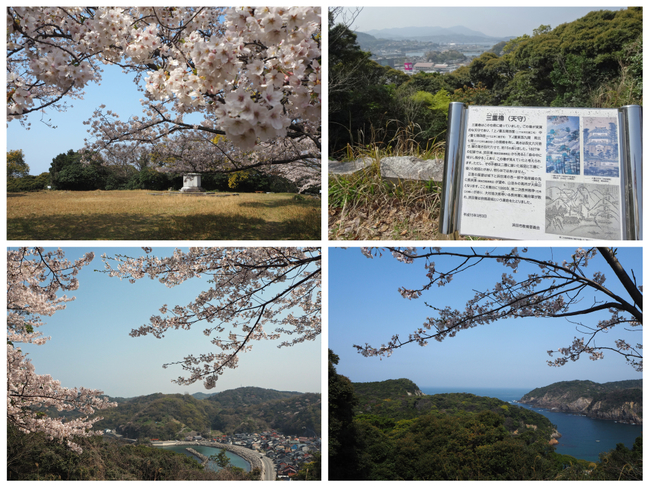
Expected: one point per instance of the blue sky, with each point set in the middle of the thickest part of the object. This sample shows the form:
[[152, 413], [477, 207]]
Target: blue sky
[[41, 143], [91, 346], [365, 306], [491, 21]]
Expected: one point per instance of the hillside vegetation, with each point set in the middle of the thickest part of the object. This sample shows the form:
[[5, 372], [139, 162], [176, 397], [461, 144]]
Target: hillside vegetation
[[34, 457], [377, 111], [387, 389], [574, 389], [244, 410], [594, 61], [404, 405]]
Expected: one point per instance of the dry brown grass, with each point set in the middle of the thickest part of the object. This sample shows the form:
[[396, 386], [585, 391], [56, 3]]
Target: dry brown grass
[[139, 215], [363, 206], [412, 214]]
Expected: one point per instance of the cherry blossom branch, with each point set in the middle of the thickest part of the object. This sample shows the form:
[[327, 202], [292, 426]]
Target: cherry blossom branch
[[253, 73], [511, 298], [237, 298]]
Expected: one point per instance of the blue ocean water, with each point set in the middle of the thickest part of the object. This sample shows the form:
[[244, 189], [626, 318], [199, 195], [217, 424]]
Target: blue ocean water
[[208, 451], [582, 437]]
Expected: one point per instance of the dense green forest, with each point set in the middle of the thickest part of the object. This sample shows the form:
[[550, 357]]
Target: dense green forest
[[383, 431], [595, 61], [67, 172], [248, 396], [387, 388], [244, 410]]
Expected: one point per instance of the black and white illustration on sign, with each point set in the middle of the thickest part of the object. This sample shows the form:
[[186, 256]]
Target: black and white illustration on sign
[[582, 210]]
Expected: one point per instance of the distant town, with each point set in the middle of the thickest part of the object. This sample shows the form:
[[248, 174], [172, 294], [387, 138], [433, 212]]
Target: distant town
[[419, 56]]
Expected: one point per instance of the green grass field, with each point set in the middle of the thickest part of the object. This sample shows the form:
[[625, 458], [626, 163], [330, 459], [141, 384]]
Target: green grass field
[[147, 215]]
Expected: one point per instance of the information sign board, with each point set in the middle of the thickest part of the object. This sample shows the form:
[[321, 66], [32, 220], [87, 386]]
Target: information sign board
[[530, 173]]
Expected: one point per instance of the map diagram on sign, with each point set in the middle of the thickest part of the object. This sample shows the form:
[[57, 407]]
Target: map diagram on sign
[[582, 210]]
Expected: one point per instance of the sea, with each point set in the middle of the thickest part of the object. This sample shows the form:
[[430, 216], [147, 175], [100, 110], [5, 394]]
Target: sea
[[208, 451], [582, 437]]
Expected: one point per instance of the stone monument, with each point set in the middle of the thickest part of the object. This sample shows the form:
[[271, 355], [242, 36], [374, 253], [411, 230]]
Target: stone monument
[[192, 183]]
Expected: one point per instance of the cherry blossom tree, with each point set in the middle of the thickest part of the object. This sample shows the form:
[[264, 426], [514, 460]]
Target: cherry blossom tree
[[551, 289], [34, 279], [251, 75], [297, 160], [254, 294]]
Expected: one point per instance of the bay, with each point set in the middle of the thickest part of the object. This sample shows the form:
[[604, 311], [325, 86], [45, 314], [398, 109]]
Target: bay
[[582, 437], [208, 451]]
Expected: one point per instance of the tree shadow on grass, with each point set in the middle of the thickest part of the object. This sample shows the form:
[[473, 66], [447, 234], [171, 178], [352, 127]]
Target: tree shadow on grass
[[15, 195], [281, 204], [115, 226]]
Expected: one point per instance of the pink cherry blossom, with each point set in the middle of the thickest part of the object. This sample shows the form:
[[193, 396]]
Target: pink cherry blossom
[[252, 74]]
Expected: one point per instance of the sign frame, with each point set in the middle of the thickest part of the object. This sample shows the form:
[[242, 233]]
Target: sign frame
[[554, 172]]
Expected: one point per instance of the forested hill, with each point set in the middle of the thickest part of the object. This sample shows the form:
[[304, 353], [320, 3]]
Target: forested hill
[[401, 399], [248, 396], [620, 401], [377, 436], [594, 61], [244, 410], [387, 388]]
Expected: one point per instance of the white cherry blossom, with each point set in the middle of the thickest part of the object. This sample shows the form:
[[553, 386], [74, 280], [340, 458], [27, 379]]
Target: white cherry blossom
[[34, 280], [255, 293], [551, 289], [251, 73]]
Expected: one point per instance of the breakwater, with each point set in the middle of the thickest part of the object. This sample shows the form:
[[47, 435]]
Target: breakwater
[[202, 457], [250, 456]]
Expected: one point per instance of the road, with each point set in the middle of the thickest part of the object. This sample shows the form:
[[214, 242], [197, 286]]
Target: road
[[269, 468]]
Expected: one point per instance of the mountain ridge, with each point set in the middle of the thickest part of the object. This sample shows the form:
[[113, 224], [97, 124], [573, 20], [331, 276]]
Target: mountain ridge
[[422, 31], [244, 410]]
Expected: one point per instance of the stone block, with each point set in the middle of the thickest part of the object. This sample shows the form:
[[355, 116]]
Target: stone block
[[410, 168], [350, 167]]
